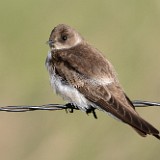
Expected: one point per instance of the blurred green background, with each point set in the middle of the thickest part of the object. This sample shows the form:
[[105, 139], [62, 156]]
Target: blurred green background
[[128, 32]]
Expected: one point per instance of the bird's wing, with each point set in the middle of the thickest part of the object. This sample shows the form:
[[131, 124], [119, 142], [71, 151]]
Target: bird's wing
[[85, 60], [106, 100], [77, 71]]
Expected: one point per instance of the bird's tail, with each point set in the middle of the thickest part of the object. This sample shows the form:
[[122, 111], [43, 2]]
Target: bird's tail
[[147, 129]]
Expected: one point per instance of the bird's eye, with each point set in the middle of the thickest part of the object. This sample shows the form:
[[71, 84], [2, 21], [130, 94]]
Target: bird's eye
[[64, 38]]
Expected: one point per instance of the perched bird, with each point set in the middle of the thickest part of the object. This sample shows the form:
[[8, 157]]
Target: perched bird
[[82, 76]]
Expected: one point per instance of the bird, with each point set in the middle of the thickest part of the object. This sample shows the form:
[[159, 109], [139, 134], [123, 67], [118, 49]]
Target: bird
[[81, 74]]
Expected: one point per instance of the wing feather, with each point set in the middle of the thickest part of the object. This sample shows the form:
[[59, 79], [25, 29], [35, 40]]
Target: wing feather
[[77, 69], [121, 110]]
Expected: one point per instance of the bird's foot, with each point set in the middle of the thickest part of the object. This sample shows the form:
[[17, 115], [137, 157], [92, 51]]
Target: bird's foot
[[70, 107], [92, 110]]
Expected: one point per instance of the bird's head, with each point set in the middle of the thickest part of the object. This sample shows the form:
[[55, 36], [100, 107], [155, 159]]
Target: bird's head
[[63, 37]]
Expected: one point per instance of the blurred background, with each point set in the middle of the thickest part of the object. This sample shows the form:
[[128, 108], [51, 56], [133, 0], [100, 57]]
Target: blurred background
[[127, 32]]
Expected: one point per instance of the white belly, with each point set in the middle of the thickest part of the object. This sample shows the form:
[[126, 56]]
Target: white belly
[[69, 93]]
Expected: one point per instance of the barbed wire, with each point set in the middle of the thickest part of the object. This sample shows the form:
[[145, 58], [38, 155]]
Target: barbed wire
[[140, 103], [68, 107], [49, 107]]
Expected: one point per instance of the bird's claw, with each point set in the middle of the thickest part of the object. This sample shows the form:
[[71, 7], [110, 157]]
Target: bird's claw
[[70, 107], [92, 110]]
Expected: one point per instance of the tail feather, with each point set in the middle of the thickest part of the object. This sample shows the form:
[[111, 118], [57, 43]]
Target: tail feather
[[129, 116], [140, 132], [147, 128], [157, 136], [143, 134]]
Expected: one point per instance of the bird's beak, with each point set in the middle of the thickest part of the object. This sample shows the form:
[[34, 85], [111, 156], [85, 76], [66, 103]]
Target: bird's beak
[[51, 44]]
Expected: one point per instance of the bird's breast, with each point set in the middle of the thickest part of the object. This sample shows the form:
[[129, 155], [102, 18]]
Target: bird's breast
[[61, 87]]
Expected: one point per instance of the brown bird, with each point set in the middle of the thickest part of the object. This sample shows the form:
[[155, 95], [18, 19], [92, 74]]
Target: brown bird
[[82, 76]]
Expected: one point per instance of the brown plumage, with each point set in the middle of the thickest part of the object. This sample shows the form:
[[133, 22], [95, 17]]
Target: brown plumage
[[81, 75]]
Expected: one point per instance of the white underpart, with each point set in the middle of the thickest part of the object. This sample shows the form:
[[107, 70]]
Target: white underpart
[[69, 93], [49, 56]]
